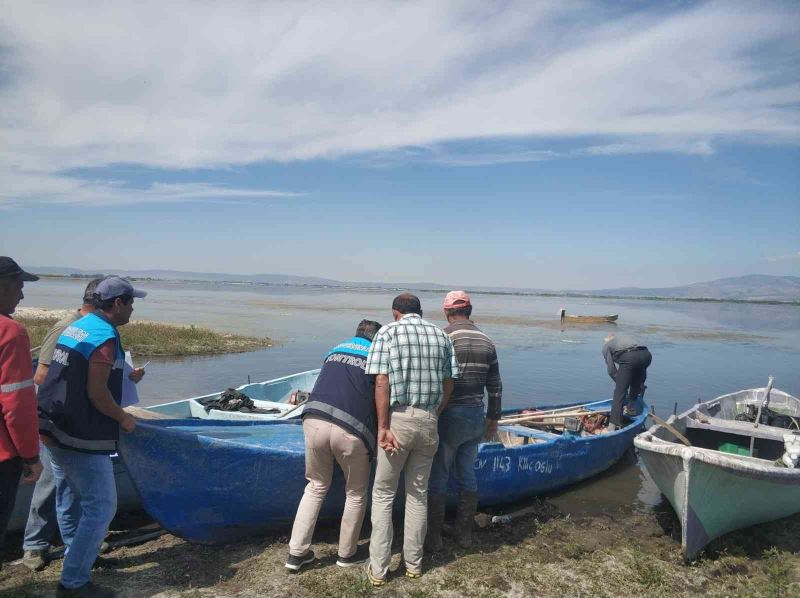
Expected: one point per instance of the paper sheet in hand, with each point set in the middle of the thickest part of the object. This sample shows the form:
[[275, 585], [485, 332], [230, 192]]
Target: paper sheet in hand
[[129, 394]]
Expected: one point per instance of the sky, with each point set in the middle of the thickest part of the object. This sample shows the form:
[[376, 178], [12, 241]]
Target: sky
[[559, 145]]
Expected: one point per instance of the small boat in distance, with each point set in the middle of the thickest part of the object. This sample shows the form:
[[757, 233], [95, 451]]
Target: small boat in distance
[[728, 463], [569, 319], [214, 481]]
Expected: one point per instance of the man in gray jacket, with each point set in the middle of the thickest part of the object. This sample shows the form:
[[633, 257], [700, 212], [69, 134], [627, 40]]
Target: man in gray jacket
[[633, 359]]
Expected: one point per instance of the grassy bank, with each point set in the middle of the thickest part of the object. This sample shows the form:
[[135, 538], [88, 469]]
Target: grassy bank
[[151, 339], [547, 553]]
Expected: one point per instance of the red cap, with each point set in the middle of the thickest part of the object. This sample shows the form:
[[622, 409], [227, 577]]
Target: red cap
[[455, 299]]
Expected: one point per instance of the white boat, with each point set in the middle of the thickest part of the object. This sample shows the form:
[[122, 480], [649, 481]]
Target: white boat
[[739, 468], [270, 398]]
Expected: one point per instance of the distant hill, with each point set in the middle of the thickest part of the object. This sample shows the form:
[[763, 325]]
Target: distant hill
[[753, 287], [281, 279]]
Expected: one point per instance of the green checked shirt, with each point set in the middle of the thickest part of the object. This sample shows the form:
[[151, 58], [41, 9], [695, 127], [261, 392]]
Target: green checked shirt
[[417, 356]]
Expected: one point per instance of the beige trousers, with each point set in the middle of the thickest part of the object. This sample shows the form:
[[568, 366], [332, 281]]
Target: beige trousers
[[325, 441], [416, 432]]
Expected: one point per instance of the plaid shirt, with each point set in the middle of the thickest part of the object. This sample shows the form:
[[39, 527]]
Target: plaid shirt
[[417, 356]]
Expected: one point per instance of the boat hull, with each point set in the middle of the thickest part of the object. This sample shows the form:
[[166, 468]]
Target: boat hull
[[714, 494], [713, 488], [212, 482]]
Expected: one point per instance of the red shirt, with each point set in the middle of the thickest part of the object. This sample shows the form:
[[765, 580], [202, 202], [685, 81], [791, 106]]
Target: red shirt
[[19, 420]]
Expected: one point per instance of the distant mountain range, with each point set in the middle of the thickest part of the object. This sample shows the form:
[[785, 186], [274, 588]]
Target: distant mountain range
[[753, 287]]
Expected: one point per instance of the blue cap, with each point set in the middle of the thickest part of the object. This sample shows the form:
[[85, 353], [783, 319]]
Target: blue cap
[[112, 287]]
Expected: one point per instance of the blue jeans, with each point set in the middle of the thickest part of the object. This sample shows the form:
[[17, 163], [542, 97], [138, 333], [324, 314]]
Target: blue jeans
[[461, 428], [42, 526], [90, 479]]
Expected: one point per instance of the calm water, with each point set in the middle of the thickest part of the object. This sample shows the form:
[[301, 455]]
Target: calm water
[[700, 350]]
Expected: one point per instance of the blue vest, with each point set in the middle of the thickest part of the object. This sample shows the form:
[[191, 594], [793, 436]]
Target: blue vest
[[344, 394], [65, 412]]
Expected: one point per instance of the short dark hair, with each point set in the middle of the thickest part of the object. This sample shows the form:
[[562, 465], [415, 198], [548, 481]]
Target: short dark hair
[[88, 294], [367, 329], [465, 311], [406, 303], [106, 304]]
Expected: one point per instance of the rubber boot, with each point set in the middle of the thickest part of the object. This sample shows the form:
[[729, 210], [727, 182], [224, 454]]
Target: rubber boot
[[465, 518], [436, 507]]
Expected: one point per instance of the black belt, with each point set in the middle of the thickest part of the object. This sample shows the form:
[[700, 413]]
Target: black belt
[[618, 353]]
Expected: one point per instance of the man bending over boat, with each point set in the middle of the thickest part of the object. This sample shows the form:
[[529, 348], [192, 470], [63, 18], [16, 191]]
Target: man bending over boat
[[633, 359], [79, 419], [339, 424], [462, 423], [415, 364]]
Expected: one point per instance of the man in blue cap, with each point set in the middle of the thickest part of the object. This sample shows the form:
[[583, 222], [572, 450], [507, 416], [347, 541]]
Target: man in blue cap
[[79, 419]]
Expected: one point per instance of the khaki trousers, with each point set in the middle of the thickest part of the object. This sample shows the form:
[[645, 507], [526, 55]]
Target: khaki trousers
[[415, 430], [325, 441]]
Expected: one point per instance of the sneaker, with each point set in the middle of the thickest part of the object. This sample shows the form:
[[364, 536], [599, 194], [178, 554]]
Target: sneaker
[[87, 590], [374, 579], [35, 560], [611, 428], [359, 556], [412, 574], [295, 563]]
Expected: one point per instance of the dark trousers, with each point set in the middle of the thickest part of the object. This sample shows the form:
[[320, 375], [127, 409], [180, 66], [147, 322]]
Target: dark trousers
[[10, 472], [631, 374]]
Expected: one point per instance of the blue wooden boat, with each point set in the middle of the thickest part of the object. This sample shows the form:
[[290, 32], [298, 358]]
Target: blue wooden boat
[[270, 398], [214, 481]]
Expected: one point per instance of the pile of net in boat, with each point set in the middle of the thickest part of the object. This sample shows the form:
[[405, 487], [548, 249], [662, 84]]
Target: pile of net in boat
[[233, 400], [769, 418]]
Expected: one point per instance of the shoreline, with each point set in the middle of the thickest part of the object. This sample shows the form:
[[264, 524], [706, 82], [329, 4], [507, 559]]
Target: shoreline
[[549, 553], [150, 338], [513, 293]]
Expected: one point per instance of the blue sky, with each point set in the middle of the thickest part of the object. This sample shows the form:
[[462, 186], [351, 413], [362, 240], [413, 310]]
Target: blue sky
[[556, 145]]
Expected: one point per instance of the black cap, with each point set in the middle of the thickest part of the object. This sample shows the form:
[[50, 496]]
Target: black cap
[[9, 267]]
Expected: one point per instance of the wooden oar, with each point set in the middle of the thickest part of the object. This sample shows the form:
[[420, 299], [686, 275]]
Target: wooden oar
[[671, 428], [548, 416]]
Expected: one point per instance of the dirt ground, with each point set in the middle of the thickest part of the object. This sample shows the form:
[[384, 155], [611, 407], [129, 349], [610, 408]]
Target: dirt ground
[[545, 553]]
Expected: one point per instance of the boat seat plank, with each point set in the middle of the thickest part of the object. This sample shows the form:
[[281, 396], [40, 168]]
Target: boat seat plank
[[716, 424], [530, 432]]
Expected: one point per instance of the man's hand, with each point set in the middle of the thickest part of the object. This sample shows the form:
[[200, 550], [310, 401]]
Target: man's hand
[[491, 429], [31, 472], [136, 375], [128, 423], [387, 441]]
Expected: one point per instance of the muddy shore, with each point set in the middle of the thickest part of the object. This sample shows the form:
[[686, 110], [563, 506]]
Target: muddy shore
[[545, 553]]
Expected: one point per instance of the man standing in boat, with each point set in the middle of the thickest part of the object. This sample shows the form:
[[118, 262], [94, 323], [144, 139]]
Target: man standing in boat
[[79, 419], [633, 359], [462, 423], [19, 441], [414, 363], [339, 424]]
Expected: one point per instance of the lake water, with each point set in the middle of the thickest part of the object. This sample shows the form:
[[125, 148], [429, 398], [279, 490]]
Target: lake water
[[700, 350]]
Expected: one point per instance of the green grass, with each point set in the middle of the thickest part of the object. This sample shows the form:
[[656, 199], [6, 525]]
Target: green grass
[[150, 339]]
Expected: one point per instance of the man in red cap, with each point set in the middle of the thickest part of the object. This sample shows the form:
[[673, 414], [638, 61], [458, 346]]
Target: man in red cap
[[462, 423], [19, 429]]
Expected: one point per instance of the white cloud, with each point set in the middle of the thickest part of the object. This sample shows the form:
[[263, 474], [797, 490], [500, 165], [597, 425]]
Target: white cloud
[[52, 188], [188, 84]]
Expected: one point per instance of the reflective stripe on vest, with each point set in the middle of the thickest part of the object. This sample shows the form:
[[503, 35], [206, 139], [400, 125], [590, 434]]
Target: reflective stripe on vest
[[16, 386]]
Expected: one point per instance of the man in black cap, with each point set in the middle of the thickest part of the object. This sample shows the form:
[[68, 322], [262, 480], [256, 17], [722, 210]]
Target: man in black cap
[[80, 416], [19, 438]]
